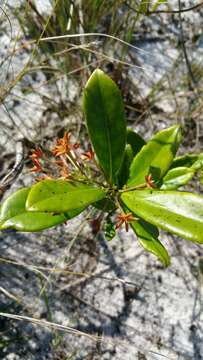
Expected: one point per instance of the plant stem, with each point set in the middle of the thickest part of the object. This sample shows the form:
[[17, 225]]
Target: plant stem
[[137, 187], [75, 163]]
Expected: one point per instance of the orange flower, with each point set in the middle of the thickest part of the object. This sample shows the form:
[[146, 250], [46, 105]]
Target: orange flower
[[88, 155], [62, 145], [36, 154], [37, 166], [124, 219], [150, 182]]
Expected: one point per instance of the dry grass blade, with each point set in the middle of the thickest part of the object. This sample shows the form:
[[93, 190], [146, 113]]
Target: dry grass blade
[[50, 325], [68, 36], [9, 294], [54, 326], [41, 270]]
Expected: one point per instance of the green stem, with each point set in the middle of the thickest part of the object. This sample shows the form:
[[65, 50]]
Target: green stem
[[75, 163], [137, 187]]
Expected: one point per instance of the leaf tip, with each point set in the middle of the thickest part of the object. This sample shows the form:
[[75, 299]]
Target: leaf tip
[[96, 73], [166, 262]]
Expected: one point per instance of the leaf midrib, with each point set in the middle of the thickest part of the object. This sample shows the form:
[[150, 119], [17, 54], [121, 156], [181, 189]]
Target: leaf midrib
[[107, 132]]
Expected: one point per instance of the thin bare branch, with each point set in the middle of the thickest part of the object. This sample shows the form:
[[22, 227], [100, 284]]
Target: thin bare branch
[[177, 11]]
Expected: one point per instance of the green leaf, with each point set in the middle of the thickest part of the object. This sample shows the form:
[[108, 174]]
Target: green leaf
[[189, 160], [149, 241], [104, 113], [14, 215], [134, 144], [198, 164], [106, 205], [158, 154], [147, 235], [124, 171], [177, 177], [178, 212], [60, 196], [109, 229], [135, 140]]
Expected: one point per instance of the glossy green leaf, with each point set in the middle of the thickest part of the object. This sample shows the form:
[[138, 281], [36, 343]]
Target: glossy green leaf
[[158, 154], [198, 164], [177, 177], [105, 119], [60, 196], [125, 167], [106, 205], [178, 212], [135, 140], [147, 235], [189, 160], [109, 229], [149, 241], [14, 215]]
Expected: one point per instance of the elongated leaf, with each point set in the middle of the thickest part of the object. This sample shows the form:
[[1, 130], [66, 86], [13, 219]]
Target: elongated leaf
[[198, 164], [14, 215], [60, 196], [104, 114], [177, 177], [147, 235], [124, 171], [158, 154], [135, 140], [189, 160], [149, 242], [178, 212]]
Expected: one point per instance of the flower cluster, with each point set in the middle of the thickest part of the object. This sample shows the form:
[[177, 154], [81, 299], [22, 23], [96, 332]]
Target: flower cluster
[[66, 156], [66, 159], [63, 145]]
